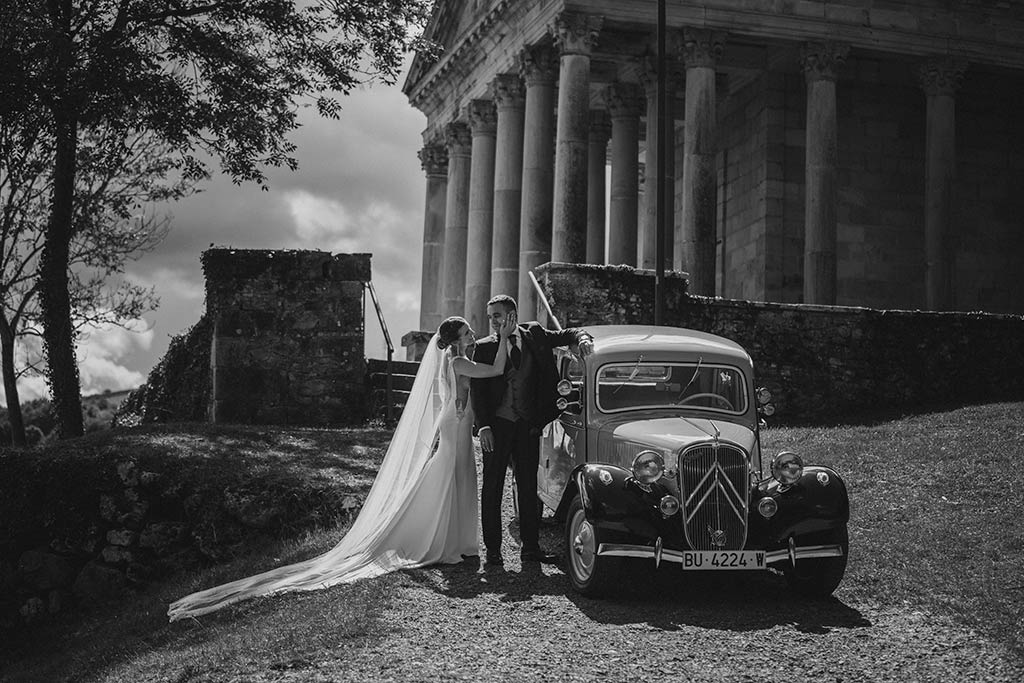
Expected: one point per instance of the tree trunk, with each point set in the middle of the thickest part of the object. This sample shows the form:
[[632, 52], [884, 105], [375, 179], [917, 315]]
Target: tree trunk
[[14, 416], [58, 332]]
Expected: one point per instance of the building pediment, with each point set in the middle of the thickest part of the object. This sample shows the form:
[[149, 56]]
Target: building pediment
[[449, 22]]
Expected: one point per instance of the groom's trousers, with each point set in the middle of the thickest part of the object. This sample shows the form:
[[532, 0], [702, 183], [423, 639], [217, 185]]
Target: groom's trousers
[[516, 442]]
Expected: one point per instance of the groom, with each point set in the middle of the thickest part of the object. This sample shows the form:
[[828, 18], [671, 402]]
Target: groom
[[511, 411]]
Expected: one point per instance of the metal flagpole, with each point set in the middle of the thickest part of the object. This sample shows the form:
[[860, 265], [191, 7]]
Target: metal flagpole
[[661, 185]]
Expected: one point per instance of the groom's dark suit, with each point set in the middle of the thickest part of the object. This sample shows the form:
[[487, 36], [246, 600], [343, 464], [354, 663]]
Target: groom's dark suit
[[517, 406]]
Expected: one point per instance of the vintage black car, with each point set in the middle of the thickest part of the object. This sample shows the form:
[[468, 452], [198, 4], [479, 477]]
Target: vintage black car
[[657, 455]]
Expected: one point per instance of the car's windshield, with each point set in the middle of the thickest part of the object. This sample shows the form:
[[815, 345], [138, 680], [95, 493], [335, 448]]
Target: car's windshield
[[629, 386]]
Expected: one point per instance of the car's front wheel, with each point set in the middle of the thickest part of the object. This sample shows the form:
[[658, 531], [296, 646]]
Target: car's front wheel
[[819, 577], [590, 573]]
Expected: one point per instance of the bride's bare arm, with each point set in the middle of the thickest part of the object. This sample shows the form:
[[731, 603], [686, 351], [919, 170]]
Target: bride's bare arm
[[464, 366]]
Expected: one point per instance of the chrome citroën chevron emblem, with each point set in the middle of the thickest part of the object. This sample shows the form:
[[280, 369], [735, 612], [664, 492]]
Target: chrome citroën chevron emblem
[[716, 479], [717, 536]]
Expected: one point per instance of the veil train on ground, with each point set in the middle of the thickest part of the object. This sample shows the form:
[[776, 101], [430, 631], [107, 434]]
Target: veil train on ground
[[374, 545]]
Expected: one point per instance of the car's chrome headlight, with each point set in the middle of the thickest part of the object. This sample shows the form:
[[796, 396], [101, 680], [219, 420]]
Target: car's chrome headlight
[[648, 467], [787, 468]]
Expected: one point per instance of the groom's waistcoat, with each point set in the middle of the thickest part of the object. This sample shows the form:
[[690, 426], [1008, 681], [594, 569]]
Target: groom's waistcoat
[[517, 402]]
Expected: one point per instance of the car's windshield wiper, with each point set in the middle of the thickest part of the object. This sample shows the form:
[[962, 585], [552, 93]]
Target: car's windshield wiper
[[636, 369], [696, 371]]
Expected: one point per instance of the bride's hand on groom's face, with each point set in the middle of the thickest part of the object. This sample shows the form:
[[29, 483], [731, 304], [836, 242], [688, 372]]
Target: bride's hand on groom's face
[[509, 326]]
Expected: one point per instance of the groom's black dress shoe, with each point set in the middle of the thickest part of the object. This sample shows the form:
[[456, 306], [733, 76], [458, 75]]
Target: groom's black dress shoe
[[494, 560], [538, 555]]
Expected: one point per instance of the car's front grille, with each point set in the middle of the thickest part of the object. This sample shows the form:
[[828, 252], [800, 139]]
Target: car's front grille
[[713, 481]]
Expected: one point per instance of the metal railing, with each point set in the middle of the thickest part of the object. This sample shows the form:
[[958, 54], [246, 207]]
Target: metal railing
[[542, 297], [391, 352]]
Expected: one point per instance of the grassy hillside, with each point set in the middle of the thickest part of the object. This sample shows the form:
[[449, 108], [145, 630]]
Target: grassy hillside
[[97, 411], [935, 524]]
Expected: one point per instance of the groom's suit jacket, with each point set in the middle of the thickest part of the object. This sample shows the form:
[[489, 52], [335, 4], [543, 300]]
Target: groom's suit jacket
[[539, 385]]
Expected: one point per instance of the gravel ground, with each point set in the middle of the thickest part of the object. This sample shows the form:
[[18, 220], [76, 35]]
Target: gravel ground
[[526, 624]]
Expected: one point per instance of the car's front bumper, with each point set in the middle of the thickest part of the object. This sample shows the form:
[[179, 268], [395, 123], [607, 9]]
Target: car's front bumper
[[659, 554]]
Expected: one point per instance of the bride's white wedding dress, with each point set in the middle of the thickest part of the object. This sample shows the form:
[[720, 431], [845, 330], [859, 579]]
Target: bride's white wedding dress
[[421, 509]]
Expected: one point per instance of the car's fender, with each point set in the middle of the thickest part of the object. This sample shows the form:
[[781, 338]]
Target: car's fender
[[817, 502], [613, 499]]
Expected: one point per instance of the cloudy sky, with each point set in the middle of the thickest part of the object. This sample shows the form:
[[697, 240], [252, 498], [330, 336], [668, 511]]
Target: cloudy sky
[[359, 188]]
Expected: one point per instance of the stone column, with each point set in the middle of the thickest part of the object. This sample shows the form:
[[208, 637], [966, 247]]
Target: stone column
[[940, 79], [482, 124], [623, 101], [649, 221], [597, 156], [434, 160], [537, 67], [575, 35], [695, 248], [821, 62], [508, 185], [456, 219]]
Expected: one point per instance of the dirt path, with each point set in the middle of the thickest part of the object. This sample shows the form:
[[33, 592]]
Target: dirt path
[[457, 623]]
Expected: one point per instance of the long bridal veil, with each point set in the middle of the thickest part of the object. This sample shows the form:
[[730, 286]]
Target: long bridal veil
[[362, 553]]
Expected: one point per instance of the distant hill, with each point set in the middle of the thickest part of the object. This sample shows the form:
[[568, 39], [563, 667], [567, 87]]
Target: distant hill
[[97, 409]]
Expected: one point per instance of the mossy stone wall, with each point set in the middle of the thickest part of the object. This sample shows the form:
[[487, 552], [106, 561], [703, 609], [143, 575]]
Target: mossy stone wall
[[288, 336], [822, 363]]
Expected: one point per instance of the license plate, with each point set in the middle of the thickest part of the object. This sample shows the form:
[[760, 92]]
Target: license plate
[[723, 559]]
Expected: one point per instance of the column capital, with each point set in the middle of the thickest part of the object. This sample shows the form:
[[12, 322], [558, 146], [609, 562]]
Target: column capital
[[538, 66], [575, 33], [702, 47], [434, 159], [600, 126], [508, 91], [821, 60], [458, 139], [649, 74], [482, 117], [623, 99], [941, 75]]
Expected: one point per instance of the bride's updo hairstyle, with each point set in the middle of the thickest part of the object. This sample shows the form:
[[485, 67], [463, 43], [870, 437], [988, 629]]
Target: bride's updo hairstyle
[[449, 331]]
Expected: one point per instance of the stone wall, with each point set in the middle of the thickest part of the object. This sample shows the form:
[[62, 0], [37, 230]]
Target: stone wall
[[821, 363], [288, 336]]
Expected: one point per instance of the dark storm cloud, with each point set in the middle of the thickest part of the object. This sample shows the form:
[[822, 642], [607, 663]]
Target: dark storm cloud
[[359, 188]]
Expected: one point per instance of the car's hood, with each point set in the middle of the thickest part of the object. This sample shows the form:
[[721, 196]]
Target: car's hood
[[676, 432]]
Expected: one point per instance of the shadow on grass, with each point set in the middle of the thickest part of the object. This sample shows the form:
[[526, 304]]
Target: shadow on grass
[[870, 416], [667, 600], [133, 640]]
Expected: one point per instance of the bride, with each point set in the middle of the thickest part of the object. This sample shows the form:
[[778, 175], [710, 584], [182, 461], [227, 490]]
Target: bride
[[422, 507]]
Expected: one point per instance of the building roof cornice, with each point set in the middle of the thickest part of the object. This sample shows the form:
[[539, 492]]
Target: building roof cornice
[[457, 51]]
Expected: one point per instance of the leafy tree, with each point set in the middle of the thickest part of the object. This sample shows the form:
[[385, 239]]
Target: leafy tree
[[119, 180], [223, 76]]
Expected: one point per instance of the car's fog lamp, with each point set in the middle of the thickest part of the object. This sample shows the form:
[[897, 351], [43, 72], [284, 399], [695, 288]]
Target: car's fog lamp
[[669, 505], [648, 467], [787, 468], [767, 507], [564, 387]]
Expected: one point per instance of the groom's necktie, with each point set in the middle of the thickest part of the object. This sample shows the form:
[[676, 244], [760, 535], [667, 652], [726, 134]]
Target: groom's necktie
[[516, 355]]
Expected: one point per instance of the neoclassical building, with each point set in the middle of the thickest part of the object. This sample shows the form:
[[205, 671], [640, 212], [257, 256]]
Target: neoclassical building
[[857, 153]]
